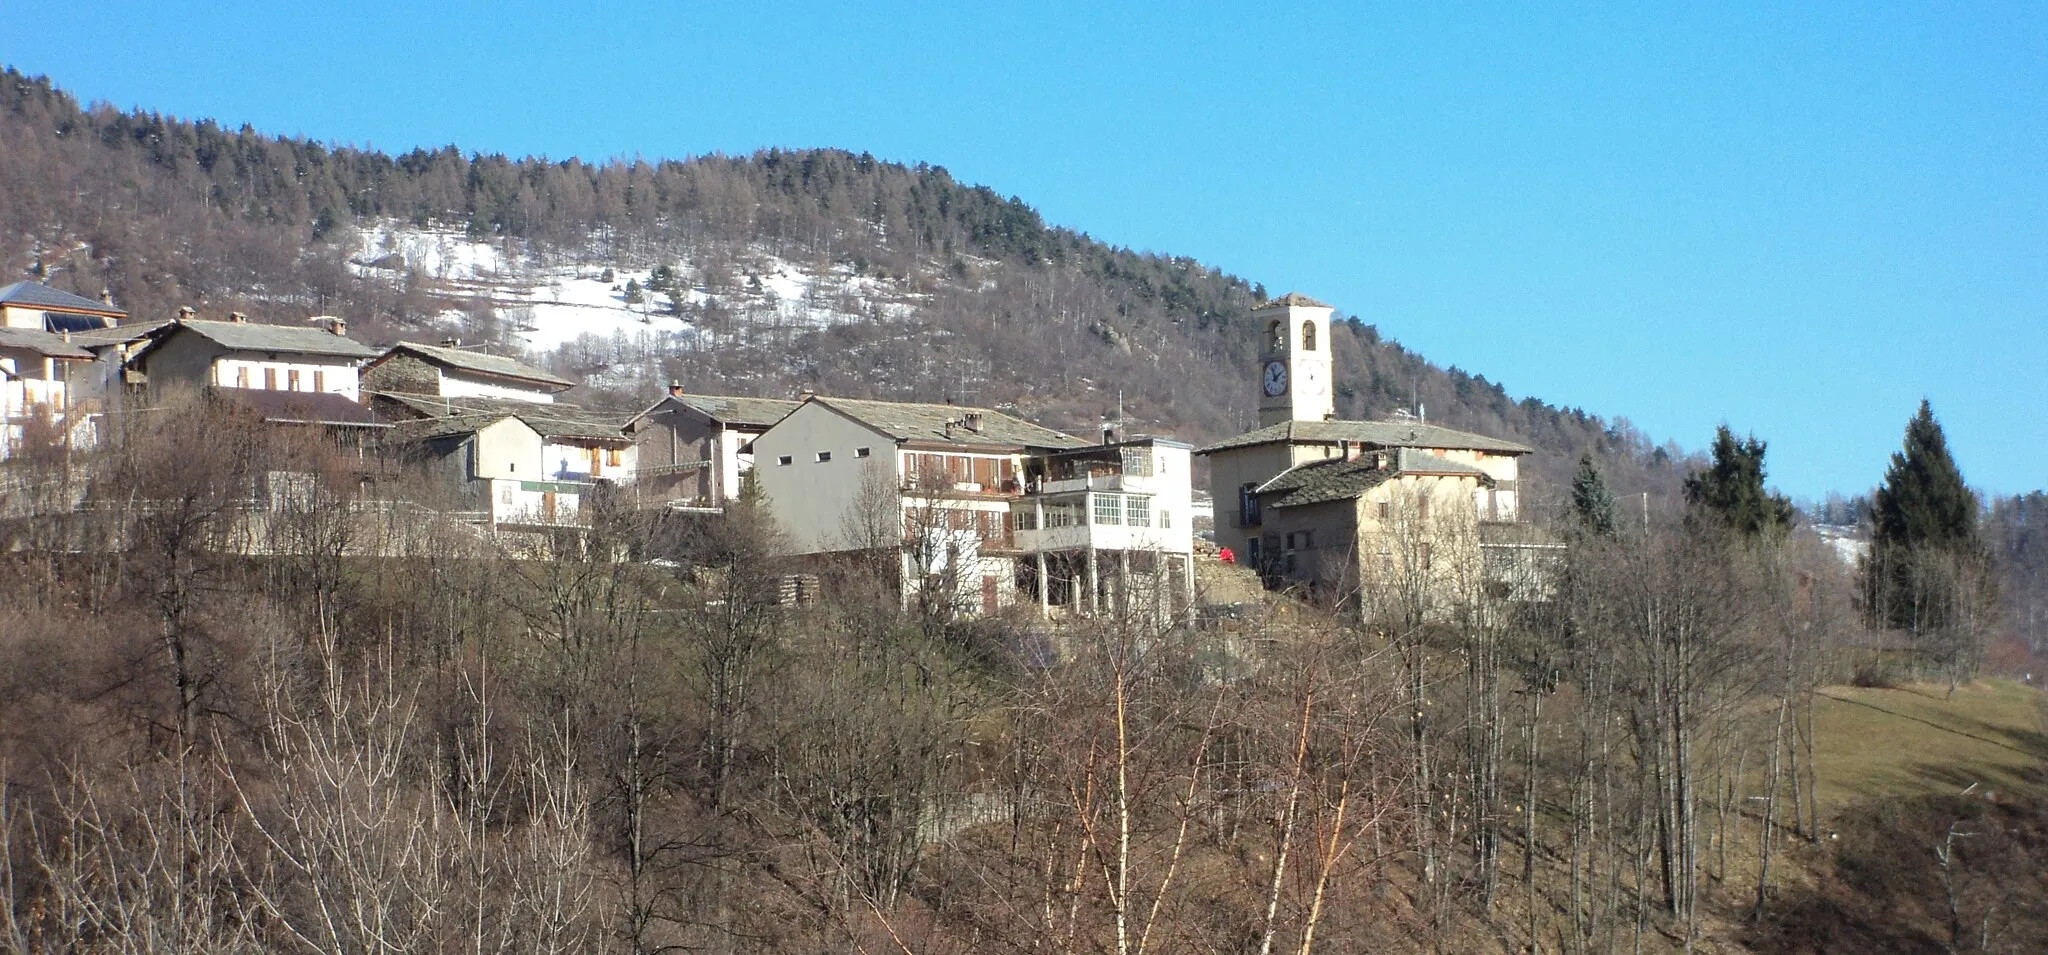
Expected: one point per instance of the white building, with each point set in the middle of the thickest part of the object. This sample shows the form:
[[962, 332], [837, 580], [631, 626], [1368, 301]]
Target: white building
[[36, 368], [39, 307], [240, 354]]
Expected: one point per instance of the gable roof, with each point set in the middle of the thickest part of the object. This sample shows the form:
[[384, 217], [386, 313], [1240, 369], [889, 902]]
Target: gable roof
[[479, 363], [42, 343], [38, 295], [559, 420], [246, 336], [745, 412], [1295, 299], [115, 335], [913, 421], [1337, 479], [302, 407], [1381, 434]]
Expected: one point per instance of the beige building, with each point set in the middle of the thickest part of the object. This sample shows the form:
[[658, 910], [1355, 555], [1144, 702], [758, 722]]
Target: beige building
[[241, 354], [984, 509], [1347, 510], [39, 307]]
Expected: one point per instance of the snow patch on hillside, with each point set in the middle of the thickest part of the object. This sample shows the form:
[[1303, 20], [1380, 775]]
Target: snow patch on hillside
[[548, 308]]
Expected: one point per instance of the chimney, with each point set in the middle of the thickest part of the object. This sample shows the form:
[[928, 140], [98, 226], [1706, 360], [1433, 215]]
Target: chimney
[[972, 421], [451, 343], [806, 395], [675, 389], [1379, 459], [107, 297], [1343, 449], [1108, 433], [238, 318], [339, 326], [185, 313]]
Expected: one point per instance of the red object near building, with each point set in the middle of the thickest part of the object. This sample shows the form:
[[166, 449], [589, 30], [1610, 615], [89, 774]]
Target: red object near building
[[1223, 554]]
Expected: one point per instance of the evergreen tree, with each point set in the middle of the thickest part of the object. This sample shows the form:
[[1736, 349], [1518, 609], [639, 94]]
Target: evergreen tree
[[1592, 504], [1924, 545], [1732, 488]]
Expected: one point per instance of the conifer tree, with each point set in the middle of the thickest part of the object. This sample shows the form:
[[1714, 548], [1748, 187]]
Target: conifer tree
[[1924, 517], [1732, 487], [1592, 504]]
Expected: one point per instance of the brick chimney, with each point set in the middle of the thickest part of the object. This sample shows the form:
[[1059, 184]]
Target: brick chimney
[[971, 421], [675, 389], [185, 313], [338, 326], [238, 318]]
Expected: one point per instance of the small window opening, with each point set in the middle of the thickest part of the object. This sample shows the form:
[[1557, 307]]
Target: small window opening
[[824, 456], [861, 452]]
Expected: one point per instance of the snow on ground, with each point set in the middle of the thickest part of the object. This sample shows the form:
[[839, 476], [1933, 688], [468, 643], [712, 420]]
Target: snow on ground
[[1846, 540], [549, 308]]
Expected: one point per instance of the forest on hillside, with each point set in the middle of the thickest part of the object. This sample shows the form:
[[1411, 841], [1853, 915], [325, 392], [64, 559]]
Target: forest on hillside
[[1008, 311]]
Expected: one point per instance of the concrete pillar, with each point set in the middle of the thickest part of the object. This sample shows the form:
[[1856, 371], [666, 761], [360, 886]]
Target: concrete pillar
[[1094, 585], [1124, 603], [1044, 589]]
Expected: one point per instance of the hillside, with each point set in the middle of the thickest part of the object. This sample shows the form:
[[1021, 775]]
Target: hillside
[[821, 269]]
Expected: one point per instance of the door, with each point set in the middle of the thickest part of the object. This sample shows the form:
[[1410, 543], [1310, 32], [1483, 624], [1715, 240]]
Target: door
[[547, 507], [988, 595]]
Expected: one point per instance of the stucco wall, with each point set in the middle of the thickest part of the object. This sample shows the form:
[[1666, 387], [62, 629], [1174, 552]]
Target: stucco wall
[[813, 501]]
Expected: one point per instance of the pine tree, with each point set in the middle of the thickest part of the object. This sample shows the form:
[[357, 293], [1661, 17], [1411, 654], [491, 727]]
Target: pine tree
[[1592, 504], [1924, 545], [1732, 488]]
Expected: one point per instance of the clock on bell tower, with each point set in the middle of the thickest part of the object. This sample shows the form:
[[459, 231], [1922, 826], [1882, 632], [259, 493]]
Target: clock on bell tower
[[1294, 360]]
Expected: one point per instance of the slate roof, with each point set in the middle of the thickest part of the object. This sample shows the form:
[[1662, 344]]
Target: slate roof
[[1292, 298], [117, 335], [38, 295], [1381, 434], [551, 420], [912, 421], [1337, 479], [482, 364], [42, 343], [246, 336], [745, 412], [303, 407]]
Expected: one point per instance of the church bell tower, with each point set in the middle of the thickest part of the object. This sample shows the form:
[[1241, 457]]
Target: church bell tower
[[1294, 360]]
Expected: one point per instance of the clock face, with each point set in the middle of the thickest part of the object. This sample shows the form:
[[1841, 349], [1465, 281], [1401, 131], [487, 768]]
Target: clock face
[[1276, 379]]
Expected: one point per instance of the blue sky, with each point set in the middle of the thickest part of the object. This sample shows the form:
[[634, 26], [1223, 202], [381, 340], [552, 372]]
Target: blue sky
[[1791, 220]]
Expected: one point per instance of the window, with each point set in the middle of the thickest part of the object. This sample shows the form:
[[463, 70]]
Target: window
[[861, 452], [269, 379], [1422, 508], [241, 377], [1308, 335], [1165, 518], [1108, 509], [1026, 520], [611, 457], [1422, 554], [1137, 462], [824, 456], [291, 380], [1138, 511], [784, 461], [1248, 506], [1276, 338], [320, 381], [1385, 510]]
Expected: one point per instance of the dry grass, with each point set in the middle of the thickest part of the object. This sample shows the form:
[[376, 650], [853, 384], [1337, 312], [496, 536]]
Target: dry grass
[[1915, 740]]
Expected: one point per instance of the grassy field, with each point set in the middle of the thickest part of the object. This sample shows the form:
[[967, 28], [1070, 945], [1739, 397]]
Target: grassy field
[[1913, 740]]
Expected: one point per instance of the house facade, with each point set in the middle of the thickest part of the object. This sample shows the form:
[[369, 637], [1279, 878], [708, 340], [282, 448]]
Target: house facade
[[240, 354], [36, 369], [513, 462], [982, 509], [695, 450]]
